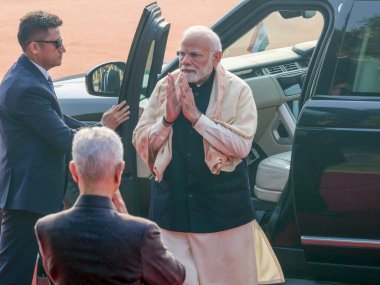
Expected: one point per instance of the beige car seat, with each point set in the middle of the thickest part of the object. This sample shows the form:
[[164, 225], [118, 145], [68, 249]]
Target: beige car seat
[[272, 176]]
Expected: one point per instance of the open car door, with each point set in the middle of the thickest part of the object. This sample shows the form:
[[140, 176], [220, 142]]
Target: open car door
[[141, 72]]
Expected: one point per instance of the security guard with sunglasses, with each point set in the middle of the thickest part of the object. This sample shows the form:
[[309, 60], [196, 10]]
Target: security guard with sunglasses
[[34, 137]]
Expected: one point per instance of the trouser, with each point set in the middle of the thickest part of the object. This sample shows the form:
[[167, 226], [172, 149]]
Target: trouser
[[18, 247], [221, 258]]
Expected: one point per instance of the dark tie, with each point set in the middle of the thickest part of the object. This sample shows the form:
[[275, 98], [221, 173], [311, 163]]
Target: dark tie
[[105, 81], [51, 84]]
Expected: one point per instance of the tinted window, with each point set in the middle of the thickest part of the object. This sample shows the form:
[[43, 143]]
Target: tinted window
[[358, 69]]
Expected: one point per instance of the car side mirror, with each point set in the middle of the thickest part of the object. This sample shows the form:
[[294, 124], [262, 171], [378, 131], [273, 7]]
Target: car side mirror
[[105, 79]]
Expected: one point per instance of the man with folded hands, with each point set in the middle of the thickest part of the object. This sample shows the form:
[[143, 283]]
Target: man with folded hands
[[194, 134]]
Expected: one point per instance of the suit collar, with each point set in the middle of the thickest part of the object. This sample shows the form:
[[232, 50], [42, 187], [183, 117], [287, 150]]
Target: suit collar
[[94, 201], [41, 77], [40, 68], [25, 61]]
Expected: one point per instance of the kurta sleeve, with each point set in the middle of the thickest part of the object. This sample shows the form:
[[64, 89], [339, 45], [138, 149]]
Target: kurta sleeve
[[222, 138], [233, 109]]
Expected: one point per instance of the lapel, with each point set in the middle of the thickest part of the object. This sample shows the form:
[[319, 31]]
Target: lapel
[[27, 64]]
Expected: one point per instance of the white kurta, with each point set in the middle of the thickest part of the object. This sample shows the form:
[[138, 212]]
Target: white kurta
[[240, 256]]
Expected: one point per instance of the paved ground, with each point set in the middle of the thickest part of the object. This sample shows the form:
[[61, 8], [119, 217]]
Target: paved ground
[[97, 31], [309, 282]]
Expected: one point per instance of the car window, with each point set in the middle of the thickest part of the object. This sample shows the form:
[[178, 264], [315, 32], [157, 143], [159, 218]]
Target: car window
[[272, 44], [148, 67], [278, 31], [358, 69]]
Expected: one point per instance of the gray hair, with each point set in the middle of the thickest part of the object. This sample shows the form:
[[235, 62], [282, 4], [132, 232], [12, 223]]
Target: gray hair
[[204, 31], [96, 152]]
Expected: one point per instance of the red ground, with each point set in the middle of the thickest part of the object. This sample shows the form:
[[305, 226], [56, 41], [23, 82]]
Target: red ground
[[96, 31]]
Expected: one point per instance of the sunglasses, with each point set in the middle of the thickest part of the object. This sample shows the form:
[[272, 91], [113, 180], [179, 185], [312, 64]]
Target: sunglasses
[[56, 43]]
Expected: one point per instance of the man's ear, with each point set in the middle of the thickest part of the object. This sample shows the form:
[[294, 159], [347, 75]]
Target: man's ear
[[74, 171], [118, 172], [216, 57], [33, 48]]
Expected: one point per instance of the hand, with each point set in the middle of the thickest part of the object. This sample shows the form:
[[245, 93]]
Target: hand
[[116, 115], [118, 202], [189, 109], [173, 107]]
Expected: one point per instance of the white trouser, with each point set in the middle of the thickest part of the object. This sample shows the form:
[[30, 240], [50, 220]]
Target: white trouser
[[221, 258]]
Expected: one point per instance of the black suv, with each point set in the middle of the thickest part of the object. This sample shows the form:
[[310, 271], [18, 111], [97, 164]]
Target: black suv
[[315, 160]]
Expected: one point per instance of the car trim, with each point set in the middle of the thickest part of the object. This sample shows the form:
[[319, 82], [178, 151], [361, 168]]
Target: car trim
[[340, 242]]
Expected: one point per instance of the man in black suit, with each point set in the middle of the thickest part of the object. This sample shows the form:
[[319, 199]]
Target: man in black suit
[[34, 137], [110, 80], [91, 243]]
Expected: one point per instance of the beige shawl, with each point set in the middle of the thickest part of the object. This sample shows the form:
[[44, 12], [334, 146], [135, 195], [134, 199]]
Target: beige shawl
[[231, 105]]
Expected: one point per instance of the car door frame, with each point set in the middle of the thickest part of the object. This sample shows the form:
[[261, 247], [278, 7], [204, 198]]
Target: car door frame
[[152, 28]]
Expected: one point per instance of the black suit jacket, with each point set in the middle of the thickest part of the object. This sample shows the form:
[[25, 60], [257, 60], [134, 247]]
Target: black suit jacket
[[33, 141], [93, 244], [113, 81]]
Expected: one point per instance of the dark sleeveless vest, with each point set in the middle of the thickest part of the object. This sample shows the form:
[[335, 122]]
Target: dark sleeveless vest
[[192, 199]]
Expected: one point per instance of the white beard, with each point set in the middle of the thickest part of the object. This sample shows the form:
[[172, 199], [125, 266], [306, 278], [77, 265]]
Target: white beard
[[198, 76]]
